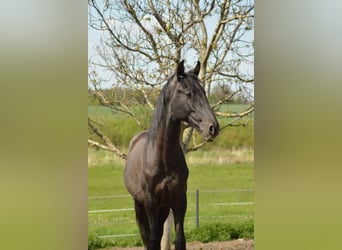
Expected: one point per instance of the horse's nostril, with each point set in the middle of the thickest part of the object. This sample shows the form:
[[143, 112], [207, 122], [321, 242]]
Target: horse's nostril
[[212, 129]]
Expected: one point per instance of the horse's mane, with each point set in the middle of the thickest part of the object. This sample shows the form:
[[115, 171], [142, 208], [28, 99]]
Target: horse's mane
[[160, 111], [159, 114]]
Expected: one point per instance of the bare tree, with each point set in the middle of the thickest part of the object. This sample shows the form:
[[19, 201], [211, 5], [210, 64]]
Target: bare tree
[[142, 42]]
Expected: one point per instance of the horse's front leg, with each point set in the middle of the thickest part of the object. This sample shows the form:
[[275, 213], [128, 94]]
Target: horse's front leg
[[152, 212], [179, 213]]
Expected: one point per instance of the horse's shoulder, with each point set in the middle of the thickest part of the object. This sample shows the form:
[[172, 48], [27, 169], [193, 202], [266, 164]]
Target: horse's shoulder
[[135, 139]]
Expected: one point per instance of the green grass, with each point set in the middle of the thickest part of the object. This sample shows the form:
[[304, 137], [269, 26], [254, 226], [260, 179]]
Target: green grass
[[215, 182], [221, 232], [216, 171]]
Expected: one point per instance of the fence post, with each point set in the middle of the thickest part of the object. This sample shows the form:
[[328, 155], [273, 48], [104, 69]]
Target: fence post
[[197, 208]]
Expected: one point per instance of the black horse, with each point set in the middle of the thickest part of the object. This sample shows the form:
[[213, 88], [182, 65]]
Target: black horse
[[156, 172]]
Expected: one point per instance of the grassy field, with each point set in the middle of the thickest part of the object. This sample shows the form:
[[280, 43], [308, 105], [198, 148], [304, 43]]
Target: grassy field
[[225, 193], [222, 171]]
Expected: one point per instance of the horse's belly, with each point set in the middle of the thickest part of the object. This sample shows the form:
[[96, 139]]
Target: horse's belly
[[133, 168]]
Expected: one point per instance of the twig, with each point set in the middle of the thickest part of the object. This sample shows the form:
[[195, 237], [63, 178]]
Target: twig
[[196, 147], [238, 77], [146, 98], [124, 108], [225, 99], [238, 117], [231, 123], [99, 145], [230, 115], [110, 146]]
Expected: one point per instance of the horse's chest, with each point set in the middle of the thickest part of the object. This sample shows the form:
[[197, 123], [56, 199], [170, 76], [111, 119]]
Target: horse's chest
[[168, 188]]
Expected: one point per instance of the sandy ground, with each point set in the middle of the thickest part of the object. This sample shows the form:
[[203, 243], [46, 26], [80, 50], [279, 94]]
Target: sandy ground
[[240, 244]]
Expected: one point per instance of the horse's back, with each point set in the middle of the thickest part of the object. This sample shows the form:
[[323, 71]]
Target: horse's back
[[133, 168], [135, 139]]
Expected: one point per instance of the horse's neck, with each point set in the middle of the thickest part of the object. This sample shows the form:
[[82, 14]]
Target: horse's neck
[[167, 141]]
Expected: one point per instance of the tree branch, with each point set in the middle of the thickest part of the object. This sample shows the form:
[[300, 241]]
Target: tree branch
[[125, 109], [113, 35], [230, 115], [146, 99], [109, 145], [237, 117], [232, 123], [148, 34], [225, 99], [237, 76], [218, 30], [172, 37]]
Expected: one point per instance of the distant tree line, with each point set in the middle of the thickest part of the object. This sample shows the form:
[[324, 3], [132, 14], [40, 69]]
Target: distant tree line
[[117, 94]]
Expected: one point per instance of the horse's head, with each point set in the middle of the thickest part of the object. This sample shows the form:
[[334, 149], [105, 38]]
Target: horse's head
[[189, 102]]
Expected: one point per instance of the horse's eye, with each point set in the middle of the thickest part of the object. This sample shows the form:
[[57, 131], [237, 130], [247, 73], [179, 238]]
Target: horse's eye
[[188, 94]]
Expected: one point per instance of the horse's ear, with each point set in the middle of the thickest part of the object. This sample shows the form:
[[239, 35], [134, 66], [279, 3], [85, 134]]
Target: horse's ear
[[196, 70], [180, 69]]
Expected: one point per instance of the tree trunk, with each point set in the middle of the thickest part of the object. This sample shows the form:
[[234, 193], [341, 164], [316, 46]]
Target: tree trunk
[[166, 239]]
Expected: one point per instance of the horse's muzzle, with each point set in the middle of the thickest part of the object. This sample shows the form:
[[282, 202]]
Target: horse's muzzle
[[211, 132]]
